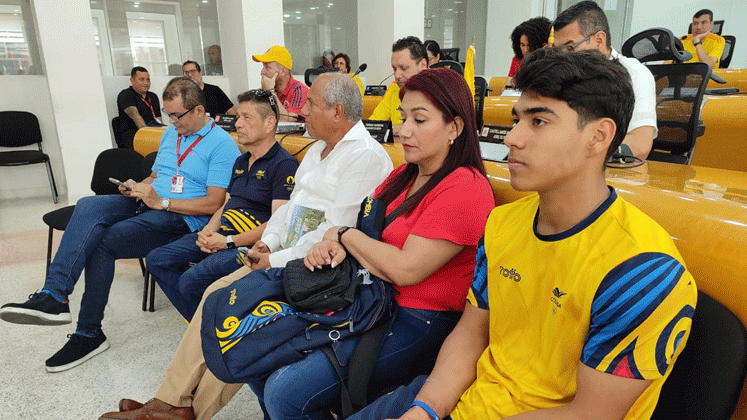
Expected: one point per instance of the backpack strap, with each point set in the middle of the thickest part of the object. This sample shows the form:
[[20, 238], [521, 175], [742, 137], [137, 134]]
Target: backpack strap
[[347, 406]]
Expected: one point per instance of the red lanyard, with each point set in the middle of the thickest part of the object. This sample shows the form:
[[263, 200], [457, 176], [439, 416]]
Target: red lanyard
[[147, 102], [181, 158]]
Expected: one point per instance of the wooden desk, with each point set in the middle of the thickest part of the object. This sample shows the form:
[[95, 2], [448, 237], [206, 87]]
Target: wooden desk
[[734, 78], [497, 84], [723, 145]]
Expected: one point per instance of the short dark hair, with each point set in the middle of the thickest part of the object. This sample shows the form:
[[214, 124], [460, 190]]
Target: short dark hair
[[702, 12], [344, 57], [137, 69], [186, 89], [434, 48], [412, 43], [590, 17], [261, 98], [448, 91], [192, 62], [590, 83], [537, 31]]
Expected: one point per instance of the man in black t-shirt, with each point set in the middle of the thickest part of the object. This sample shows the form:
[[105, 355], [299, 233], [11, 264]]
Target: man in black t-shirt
[[217, 101], [138, 107]]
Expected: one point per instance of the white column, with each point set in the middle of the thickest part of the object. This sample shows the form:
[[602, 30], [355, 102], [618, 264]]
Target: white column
[[76, 90], [380, 23], [498, 54]]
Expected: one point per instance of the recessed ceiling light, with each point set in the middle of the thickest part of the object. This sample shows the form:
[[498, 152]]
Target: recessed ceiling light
[[286, 15]]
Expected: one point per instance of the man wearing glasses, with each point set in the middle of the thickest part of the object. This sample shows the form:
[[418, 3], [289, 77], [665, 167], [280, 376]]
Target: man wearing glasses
[[216, 102], [584, 26], [262, 181], [186, 186]]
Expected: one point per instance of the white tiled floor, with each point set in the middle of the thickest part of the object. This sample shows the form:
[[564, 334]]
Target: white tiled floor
[[142, 343]]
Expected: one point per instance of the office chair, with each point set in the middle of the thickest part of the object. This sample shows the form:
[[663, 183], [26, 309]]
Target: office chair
[[731, 41], [148, 281], [120, 128], [718, 26], [481, 89], [122, 164], [19, 129], [450, 54], [448, 64], [707, 377], [311, 74]]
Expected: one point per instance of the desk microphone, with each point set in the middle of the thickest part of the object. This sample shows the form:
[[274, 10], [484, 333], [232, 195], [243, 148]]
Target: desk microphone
[[386, 78], [361, 69]]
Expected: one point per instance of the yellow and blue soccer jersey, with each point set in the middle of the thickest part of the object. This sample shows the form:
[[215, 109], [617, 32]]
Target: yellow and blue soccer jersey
[[611, 293]]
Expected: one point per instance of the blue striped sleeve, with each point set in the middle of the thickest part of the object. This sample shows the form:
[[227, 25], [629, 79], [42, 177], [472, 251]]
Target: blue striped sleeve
[[480, 282]]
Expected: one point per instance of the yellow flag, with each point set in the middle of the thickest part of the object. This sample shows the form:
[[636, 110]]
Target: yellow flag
[[469, 67]]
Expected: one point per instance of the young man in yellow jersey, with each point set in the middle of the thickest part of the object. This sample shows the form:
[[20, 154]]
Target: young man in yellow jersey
[[580, 303]]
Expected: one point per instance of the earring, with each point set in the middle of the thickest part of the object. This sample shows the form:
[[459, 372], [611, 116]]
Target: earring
[[451, 142]]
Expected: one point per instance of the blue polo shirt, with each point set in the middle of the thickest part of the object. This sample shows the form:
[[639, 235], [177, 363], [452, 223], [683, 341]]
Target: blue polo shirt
[[208, 164], [271, 177]]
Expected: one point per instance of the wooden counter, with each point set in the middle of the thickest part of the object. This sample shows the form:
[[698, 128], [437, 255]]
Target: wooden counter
[[723, 145], [369, 104], [734, 78]]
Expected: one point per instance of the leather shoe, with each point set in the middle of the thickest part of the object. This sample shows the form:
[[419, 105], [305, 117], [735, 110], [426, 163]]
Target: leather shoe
[[126, 404], [154, 409]]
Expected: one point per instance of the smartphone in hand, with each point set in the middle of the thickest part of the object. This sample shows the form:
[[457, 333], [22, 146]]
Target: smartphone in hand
[[120, 183], [244, 254]]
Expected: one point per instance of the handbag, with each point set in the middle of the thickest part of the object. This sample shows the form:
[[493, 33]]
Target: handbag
[[322, 290]]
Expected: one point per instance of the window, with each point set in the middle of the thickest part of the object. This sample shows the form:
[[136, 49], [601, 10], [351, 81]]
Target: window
[[452, 24], [158, 35], [315, 26], [19, 51]]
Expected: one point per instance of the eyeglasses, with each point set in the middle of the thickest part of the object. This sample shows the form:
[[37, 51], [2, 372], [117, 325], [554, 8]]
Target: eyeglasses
[[264, 93], [190, 72], [176, 117], [574, 46]]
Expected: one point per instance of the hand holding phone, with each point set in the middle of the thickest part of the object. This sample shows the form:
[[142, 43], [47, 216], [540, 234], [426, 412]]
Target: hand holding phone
[[120, 183], [243, 255]]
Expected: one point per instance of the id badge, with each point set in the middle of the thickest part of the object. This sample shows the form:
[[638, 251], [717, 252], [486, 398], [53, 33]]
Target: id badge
[[177, 184]]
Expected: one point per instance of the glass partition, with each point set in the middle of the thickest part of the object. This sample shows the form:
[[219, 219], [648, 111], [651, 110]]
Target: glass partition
[[19, 49]]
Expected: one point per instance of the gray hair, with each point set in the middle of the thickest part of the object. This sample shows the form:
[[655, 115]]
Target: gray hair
[[342, 89]]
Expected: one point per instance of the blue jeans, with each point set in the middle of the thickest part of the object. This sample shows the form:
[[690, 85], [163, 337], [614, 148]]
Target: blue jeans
[[105, 228], [394, 404], [309, 388], [182, 284]]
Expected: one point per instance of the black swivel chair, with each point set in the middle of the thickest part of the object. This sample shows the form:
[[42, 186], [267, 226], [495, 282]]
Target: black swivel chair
[[122, 164], [450, 54], [20, 129], [449, 64], [679, 92], [707, 377], [731, 41], [481, 89], [311, 74]]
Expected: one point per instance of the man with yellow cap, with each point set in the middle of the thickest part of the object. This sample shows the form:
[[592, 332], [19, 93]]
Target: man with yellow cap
[[276, 77]]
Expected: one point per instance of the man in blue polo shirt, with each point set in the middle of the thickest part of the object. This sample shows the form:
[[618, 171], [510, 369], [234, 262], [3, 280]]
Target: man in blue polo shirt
[[187, 184], [262, 181]]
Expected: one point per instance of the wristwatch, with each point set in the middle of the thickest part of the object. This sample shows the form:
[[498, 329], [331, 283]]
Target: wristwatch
[[695, 44], [230, 244], [340, 232], [165, 203]]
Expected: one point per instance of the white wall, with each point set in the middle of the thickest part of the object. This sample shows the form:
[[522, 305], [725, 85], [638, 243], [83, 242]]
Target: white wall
[[677, 16], [503, 16], [76, 89], [31, 93]]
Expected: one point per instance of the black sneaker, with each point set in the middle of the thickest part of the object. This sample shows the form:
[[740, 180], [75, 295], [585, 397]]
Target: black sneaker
[[40, 309], [77, 350]]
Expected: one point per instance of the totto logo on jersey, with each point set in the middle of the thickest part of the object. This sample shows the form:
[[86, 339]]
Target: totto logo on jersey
[[511, 274]]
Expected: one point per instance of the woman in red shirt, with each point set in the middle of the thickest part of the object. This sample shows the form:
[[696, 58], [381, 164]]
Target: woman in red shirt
[[427, 252], [525, 38]]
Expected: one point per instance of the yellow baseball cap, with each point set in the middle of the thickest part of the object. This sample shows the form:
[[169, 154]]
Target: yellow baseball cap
[[276, 53]]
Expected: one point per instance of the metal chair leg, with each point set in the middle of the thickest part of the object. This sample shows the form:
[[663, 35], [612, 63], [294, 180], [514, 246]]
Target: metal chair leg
[[51, 181], [142, 266], [145, 291], [152, 293], [49, 250]]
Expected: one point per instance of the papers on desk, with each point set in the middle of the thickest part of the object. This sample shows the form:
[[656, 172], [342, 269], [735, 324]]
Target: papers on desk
[[511, 93], [497, 152]]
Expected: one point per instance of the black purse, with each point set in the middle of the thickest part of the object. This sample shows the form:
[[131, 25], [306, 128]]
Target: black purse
[[322, 290]]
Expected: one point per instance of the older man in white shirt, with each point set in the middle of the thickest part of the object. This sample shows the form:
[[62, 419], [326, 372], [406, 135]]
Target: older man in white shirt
[[336, 174]]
